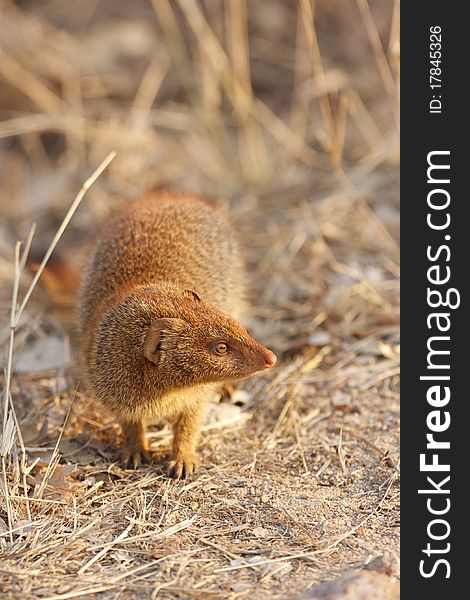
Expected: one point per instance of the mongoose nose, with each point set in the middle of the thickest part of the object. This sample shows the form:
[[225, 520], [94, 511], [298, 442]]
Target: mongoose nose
[[269, 359]]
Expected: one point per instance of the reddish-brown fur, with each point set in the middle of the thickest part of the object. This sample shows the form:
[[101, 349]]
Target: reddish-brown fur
[[163, 286]]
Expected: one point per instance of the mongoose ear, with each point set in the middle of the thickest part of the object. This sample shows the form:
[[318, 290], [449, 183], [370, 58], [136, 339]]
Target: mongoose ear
[[193, 295], [154, 337]]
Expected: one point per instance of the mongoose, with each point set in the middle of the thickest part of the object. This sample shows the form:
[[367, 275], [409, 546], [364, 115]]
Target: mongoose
[[158, 329]]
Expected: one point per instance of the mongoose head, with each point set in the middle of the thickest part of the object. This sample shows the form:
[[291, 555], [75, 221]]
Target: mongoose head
[[172, 338], [203, 345]]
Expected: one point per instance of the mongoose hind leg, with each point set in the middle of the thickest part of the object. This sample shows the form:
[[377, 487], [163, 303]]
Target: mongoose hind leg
[[134, 452], [184, 460]]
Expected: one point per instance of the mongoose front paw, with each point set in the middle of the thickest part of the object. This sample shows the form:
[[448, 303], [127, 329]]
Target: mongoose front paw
[[182, 467], [132, 458]]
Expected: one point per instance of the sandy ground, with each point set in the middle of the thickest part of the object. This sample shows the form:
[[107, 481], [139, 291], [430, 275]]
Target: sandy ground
[[300, 466]]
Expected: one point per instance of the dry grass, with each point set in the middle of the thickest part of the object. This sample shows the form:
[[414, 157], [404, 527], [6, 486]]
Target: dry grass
[[285, 112]]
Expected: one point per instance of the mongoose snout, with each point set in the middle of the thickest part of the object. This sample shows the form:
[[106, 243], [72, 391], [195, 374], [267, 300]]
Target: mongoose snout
[[269, 359], [158, 320]]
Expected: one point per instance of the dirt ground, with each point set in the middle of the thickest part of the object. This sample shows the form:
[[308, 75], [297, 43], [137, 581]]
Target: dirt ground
[[285, 113]]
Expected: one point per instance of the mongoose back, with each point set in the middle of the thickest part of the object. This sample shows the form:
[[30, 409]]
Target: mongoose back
[[158, 328]]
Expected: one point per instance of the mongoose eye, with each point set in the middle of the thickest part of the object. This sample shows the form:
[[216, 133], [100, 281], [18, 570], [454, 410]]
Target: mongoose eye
[[221, 348]]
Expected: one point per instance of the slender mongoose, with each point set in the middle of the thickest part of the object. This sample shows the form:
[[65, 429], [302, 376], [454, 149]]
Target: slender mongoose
[[157, 326]]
